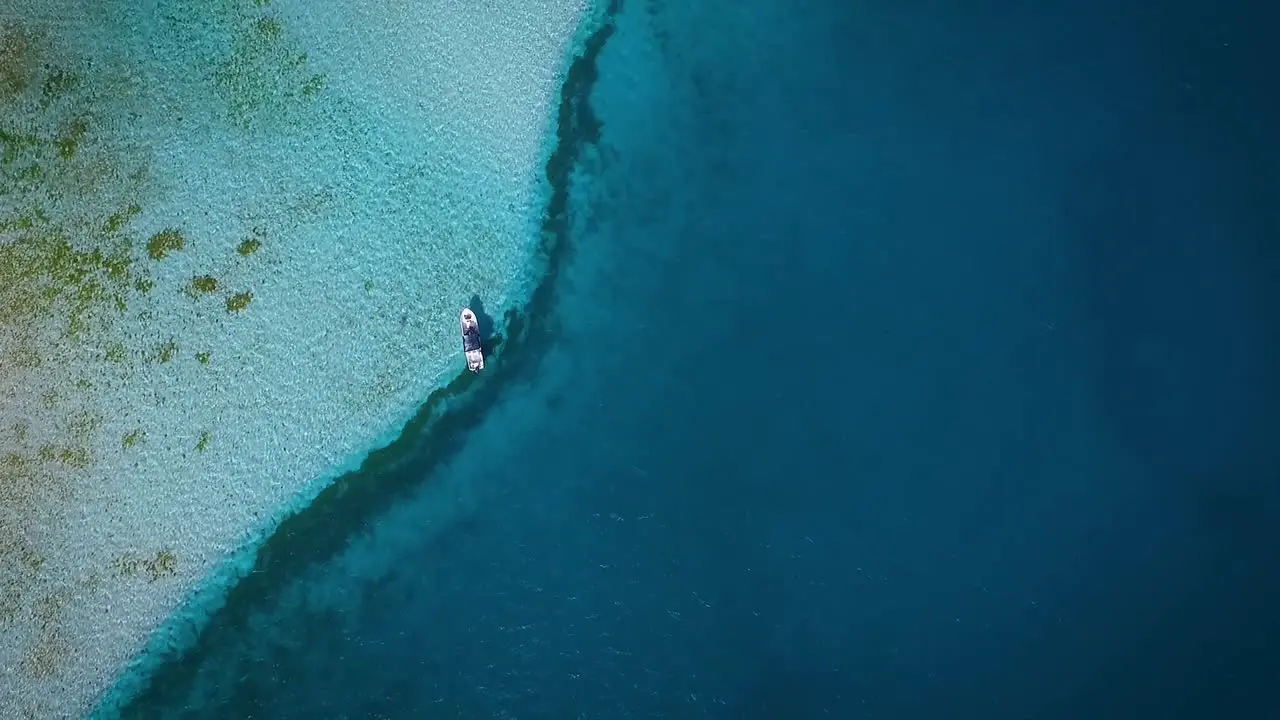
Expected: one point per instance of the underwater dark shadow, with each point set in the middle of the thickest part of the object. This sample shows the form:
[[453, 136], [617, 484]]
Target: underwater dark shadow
[[320, 531]]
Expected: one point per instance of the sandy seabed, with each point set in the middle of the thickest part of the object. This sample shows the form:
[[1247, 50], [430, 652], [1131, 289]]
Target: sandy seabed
[[234, 238]]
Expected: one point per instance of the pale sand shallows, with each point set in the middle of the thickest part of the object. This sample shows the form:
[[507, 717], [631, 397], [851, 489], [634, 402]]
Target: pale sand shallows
[[234, 238]]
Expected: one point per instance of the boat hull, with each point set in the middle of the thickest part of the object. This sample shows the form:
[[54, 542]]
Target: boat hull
[[471, 346]]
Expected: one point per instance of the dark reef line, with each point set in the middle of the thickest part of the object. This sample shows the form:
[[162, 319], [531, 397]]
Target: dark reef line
[[318, 532]]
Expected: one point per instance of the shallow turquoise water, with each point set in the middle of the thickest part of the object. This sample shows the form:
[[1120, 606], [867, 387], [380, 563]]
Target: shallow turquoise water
[[331, 186], [889, 362]]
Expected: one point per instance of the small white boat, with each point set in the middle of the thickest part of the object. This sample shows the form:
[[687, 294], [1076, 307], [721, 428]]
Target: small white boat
[[471, 340]]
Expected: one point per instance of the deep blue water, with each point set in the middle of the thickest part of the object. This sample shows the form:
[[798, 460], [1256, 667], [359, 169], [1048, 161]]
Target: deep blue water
[[895, 361]]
